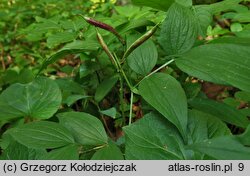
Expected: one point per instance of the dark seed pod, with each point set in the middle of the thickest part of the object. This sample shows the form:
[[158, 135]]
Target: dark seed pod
[[99, 24], [105, 27]]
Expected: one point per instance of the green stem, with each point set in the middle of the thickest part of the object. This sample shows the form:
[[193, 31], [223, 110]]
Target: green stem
[[131, 108], [164, 65], [123, 73], [121, 98]]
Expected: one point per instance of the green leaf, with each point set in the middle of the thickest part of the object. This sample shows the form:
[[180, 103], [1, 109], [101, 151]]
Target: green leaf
[[236, 27], [245, 137], [69, 152], [45, 26], [192, 89], [186, 3], [219, 63], [109, 152], [203, 126], [71, 48], [243, 96], [204, 19], [42, 134], [74, 25], [17, 151], [157, 4], [39, 99], [105, 87], [243, 34], [60, 38], [223, 148], [152, 138], [133, 24], [232, 40], [143, 59], [70, 86], [221, 111], [166, 95], [179, 30], [71, 99], [111, 112], [225, 5], [86, 129], [243, 17]]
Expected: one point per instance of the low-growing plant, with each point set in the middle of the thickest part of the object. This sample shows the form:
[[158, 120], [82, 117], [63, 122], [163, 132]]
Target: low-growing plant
[[169, 80]]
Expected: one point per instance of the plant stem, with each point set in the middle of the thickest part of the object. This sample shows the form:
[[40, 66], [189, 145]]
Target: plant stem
[[164, 65], [2, 59], [123, 73], [121, 97], [131, 108]]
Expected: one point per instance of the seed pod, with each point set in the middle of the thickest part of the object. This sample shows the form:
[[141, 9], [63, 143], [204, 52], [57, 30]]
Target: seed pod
[[139, 42], [105, 27], [99, 24], [105, 47]]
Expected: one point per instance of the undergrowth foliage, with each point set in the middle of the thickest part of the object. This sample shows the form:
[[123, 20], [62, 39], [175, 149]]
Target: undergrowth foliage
[[112, 80]]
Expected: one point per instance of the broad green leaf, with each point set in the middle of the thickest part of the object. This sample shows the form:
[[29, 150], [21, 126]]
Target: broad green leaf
[[86, 129], [133, 24], [60, 38], [166, 95], [69, 152], [143, 59], [243, 34], [243, 96], [105, 87], [157, 4], [39, 99], [202, 126], [243, 17], [245, 137], [70, 86], [223, 148], [225, 6], [220, 110], [71, 48], [204, 19], [71, 99], [192, 89], [219, 63], [43, 27], [186, 3], [74, 25], [17, 151], [179, 30], [109, 152], [11, 76], [232, 40], [111, 112], [152, 138], [42, 134], [129, 11], [236, 27]]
